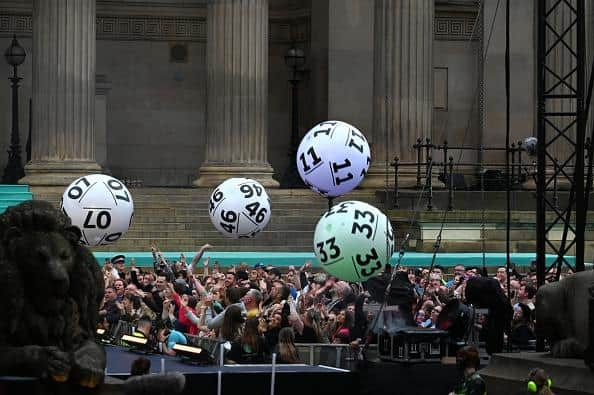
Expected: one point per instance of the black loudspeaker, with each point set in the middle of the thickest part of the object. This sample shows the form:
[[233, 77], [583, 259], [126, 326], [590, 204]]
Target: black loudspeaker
[[459, 183], [413, 345], [456, 319], [193, 355], [210, 346], [494, 180]]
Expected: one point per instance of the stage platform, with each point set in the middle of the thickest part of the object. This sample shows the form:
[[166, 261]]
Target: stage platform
[[373, 378], [286, 259], [507, 373], [295, 379]]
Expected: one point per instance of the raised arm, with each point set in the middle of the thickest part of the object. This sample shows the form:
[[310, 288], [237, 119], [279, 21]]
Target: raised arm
[[155, 258], [199, 254], [294, 316], [199, 287]]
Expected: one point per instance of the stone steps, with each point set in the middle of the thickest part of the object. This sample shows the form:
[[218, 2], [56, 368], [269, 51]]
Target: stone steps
[[190, 222], [177, 219], [122, 245], [262, 242], [11, 195], [175, 230], [208, 231]]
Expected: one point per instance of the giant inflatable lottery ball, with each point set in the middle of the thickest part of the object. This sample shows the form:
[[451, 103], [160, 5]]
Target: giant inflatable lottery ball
[[239, 208], [100, 206], [353, 241], [333, 158]]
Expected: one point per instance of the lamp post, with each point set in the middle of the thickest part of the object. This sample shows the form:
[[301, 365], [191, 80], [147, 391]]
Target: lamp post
[[15, 55], [294, 59]]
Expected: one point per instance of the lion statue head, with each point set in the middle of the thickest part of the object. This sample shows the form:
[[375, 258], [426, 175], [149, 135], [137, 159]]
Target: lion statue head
[[52, 287]]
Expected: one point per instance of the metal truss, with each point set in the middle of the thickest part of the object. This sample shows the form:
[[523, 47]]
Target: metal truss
[[561, 132]]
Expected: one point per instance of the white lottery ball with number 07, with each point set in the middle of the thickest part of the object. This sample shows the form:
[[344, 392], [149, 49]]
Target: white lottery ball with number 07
[[239, 208], [333, 158], [100, 206], [353, 241]]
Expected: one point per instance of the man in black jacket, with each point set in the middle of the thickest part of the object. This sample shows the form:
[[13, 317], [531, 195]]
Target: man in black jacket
[[486, 292]]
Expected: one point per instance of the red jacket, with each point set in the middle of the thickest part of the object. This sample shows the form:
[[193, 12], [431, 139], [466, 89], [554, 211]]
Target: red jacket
[[181, 316]]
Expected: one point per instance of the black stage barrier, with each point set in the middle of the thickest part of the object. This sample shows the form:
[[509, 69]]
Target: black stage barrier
[[290, 379], [375, 378], [397, 378]]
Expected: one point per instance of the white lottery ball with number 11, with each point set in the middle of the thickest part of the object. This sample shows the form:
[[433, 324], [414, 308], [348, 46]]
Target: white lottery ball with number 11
[[100, 206], [353, 241], [239, 208], [333, 158]]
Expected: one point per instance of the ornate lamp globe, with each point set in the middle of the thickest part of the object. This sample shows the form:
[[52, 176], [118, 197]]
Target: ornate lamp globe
[[15, 54]]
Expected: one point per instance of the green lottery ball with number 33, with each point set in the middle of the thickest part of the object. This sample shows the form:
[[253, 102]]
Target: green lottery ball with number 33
[[353, 241], [100, 206]]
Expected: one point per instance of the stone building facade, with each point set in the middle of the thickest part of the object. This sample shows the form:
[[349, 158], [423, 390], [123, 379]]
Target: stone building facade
[[190, 92]]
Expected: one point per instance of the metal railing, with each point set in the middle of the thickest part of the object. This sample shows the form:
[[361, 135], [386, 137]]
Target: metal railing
[[334, 355], [487, 175]]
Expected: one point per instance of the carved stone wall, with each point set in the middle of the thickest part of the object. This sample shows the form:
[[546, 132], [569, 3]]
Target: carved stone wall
[[155, 111], [454, 27], [160, 28], [447, 26]]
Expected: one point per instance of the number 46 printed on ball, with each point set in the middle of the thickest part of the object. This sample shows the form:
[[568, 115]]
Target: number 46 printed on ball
[[239, 208]]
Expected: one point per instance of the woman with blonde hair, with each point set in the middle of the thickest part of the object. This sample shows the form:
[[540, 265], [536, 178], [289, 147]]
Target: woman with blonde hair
[[286, 350]]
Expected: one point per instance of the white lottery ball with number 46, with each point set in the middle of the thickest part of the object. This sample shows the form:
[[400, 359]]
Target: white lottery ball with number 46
[[353, 241], [333, 158], [239, 208], [101, 206]]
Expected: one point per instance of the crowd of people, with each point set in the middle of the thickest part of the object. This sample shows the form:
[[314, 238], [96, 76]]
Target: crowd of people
[[434, 291], [260, 310]]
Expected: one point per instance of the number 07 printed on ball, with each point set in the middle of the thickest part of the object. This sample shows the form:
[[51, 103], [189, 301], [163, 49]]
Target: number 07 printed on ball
[[100, 206]]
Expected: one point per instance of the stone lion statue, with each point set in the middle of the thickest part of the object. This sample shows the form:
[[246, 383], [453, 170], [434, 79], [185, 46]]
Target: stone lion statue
[[564, 316], [50, 288]]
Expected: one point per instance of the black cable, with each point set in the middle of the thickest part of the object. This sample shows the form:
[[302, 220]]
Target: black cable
[[507, 172], [591, 146]]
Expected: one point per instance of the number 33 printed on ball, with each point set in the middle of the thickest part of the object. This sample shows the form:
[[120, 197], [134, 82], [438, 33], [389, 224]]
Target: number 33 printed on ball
[[353, 241]]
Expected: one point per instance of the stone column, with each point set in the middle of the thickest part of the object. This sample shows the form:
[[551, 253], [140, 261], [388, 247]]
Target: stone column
[[403, 86], [237, 93], [102, 88], [63, 136]]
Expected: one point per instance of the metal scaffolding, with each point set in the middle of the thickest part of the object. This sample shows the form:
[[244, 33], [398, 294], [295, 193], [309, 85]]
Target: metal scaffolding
[[561, 132]]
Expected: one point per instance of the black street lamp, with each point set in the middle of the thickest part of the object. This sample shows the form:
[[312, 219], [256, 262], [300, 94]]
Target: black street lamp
[[15, 55], [295, 59]]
